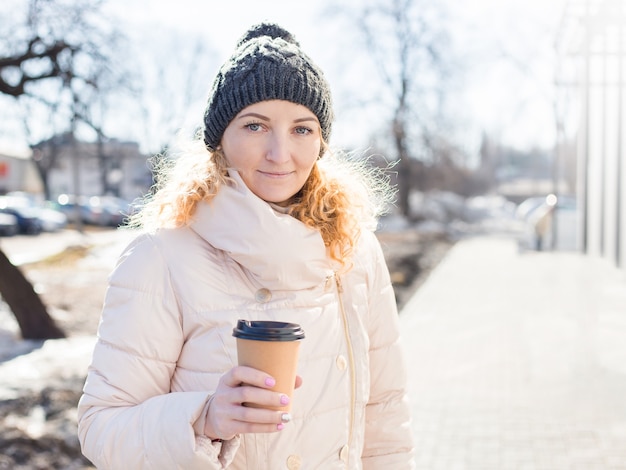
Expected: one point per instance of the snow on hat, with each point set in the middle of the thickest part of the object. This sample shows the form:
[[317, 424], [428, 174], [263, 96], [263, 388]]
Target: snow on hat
[[267, 64]]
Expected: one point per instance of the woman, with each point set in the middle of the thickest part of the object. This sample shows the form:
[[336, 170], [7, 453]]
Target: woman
[[256, 221]]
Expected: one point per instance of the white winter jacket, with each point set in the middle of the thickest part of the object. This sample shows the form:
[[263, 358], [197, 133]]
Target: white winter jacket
[[165, 339]]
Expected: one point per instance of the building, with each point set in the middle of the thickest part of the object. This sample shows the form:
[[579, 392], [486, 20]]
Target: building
[[93, 168], [591, 73], [18, 172]]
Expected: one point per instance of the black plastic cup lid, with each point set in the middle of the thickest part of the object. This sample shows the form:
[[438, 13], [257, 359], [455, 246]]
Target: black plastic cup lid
[[268, 331]]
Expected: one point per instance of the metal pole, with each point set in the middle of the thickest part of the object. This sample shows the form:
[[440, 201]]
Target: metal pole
[[619, 254], [604, 144], [582, 169], [556, 163]]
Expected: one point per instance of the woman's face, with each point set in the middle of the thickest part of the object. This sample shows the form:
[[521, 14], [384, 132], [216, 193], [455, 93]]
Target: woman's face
[[274, 145]]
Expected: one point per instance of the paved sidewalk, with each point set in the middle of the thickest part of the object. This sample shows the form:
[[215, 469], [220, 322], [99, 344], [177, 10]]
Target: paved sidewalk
[[517, 361]]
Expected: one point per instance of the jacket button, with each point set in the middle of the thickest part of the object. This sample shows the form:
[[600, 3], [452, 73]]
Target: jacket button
[[341, 362], [294, 462], [343, 453], [263, 295]]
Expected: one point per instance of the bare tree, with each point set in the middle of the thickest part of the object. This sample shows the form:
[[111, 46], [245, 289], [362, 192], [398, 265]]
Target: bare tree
[[172, 90], [30, 312], [61, 62], [52, 59], [405, 40]]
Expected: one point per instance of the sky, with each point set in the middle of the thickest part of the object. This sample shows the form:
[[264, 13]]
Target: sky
[[505, 88], [510, 96]]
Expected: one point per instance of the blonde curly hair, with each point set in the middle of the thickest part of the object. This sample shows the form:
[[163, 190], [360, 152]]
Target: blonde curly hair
[[343, 195]]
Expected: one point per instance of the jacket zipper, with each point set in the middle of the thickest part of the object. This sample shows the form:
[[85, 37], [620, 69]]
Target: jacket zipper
[[351, 361]]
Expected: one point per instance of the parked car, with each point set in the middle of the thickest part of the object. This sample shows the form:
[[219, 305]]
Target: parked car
[[8, 225], [78, 209], [104, 211], [113, 209], [27, 218], [51, 219]]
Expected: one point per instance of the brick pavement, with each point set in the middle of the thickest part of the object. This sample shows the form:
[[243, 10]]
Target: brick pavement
[[517, 361]]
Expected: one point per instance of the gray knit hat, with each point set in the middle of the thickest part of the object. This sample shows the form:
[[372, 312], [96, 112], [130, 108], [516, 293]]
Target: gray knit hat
[[267, 64]]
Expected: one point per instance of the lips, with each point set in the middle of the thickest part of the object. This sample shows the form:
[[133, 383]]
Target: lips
[[275, 174]]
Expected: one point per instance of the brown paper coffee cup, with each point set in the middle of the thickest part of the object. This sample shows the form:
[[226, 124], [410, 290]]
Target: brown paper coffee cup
[[273, 348]]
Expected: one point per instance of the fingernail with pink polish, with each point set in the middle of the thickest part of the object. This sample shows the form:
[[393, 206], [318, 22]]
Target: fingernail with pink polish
[[284, 400], [280, 426], [270, 382]]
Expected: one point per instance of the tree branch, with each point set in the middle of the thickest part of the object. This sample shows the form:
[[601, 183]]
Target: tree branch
[[33, 51]]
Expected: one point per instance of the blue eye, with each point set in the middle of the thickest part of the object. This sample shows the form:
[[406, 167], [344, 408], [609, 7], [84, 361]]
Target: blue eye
[[303, 130], [253, 126]]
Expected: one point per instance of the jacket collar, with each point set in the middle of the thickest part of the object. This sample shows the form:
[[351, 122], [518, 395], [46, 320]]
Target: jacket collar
[[278, 250]]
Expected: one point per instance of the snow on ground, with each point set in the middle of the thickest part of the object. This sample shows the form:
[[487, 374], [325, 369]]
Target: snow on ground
[[42, 364], [33, 365]]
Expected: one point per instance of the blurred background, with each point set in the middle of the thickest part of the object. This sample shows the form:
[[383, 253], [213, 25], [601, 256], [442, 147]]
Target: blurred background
[[484, 98], [490, 117]]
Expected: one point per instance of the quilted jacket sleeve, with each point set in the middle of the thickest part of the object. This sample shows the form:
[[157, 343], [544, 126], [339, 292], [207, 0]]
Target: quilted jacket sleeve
[[127, 417], [388, 439]]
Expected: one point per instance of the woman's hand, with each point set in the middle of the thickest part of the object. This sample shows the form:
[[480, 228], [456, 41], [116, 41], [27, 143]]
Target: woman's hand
[[227, 417]]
